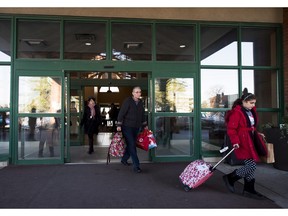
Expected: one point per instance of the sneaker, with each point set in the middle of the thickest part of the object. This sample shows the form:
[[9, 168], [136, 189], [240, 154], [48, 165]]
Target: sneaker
[[137, 170], [125, 163]]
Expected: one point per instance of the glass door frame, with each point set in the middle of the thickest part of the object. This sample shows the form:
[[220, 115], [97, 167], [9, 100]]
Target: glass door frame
[[15, 138], [195, 149]]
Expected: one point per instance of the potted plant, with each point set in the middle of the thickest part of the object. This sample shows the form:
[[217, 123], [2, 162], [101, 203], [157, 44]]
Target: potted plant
[[278, 135]]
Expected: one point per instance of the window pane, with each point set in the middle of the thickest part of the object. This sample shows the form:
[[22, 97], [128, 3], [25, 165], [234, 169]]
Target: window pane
[[219, 88], [259, 47], [39, 138], [263, 83], [131, 42], [5, 40], [175, 43], [218, 46], [174, 135], [42, 93], [213, 130], [38, 39], [84, 40], [4, 132], [174, 95], [5, 86]]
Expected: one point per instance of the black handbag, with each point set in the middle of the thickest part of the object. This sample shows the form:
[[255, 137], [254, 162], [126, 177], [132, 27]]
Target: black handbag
[[230, 159]]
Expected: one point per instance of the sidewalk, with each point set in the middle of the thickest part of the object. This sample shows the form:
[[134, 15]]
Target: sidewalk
[[270, 182], [98, 186]]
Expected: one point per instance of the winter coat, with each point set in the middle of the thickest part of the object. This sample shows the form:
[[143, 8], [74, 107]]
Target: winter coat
[[91, 125], [132, 115], [240, 131]]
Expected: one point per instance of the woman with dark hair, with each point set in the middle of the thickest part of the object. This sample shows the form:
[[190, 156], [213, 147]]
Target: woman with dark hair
[[91, 121], [241, 124]]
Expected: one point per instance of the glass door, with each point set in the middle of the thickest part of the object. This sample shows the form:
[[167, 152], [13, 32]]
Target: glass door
[[39, 113], [173, 118]]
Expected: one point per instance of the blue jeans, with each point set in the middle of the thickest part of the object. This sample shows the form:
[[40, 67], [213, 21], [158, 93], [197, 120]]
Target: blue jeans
[[130, 135]]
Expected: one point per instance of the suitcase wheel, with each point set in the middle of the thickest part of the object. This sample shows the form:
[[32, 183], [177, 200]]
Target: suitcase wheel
[[187, 188]]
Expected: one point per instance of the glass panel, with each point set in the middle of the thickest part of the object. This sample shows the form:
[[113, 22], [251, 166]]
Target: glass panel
[[41, 93], [219, 88], [267, 118], [5, 40], [263, 83], [84, 40], [174, 95], [259, 46], [218, 46], [175, 43], [174, 135], [213, 130], [131, 42], [39, 137], [5, 86], [4, 132], [38, 39]]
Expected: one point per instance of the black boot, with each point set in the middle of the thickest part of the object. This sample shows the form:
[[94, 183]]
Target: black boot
[[51, 150], [249, 190], [91, 147], [230, 179]]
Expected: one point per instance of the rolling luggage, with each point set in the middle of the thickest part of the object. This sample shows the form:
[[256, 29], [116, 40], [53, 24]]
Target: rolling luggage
[[197, 172]]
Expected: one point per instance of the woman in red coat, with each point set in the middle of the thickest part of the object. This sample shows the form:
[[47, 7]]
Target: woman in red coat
[[241, 128]]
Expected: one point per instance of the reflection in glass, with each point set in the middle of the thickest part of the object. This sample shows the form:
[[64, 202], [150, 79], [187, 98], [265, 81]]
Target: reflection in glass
[[5, 86], [41, 93], [258, 46], [5, 40], [89, 43], [174, 135], [131, 42], [4, 132], [174, 95], [175, 42], [219, 88], [219, 49], [213, 130], [38, 39], [39, 138], [264, 84]]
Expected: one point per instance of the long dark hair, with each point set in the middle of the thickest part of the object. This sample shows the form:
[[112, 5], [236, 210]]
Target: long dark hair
[[246, 96]]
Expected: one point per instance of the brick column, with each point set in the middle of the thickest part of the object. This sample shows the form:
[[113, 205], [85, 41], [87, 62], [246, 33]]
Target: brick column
[[285, 53]]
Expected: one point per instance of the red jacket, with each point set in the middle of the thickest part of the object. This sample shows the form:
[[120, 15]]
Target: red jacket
[[239, 131]]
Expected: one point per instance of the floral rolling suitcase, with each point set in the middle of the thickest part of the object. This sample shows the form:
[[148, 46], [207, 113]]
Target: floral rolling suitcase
[[197, 172]]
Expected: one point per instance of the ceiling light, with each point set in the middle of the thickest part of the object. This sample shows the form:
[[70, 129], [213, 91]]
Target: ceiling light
[[35, 42], [88, 44], [182, 46]]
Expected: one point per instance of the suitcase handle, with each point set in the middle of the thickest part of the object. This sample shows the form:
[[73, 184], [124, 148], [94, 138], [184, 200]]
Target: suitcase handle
[[214, 167]]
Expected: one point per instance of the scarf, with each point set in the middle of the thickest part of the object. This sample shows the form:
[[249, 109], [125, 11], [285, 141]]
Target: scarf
[[92, 109]]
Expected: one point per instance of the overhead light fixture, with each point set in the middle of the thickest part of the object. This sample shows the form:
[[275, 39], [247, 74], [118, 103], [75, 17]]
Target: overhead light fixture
[[182, 46], [109, 89], [133, 45], [35, 42]]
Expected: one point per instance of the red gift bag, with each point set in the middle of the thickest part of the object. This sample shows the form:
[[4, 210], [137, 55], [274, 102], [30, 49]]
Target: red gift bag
[[146, 140]]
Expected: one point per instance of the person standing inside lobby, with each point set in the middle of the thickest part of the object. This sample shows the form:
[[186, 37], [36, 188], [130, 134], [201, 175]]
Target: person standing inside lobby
[[131, 119], [91, 120]]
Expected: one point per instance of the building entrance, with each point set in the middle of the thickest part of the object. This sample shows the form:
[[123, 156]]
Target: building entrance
[[109, 89]]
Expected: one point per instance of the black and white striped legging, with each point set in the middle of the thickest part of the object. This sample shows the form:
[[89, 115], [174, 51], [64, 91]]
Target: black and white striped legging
[[248, 170]]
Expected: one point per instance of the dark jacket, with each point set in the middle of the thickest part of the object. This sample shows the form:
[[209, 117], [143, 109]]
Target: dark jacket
[[132, 115], [91, 125], [240, 131]]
